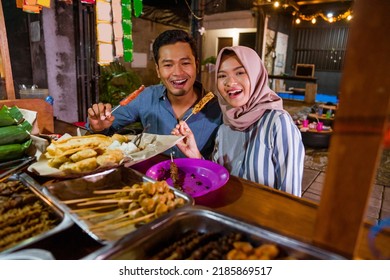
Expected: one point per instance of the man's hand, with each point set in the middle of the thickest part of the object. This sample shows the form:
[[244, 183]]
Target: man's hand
[[99, 116]]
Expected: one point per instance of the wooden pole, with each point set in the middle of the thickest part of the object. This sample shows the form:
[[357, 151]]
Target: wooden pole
[[4, 54], [359, 129]]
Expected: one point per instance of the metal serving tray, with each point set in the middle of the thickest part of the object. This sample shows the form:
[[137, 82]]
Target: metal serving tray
[[150, 240], [64, 220], [85, 186]]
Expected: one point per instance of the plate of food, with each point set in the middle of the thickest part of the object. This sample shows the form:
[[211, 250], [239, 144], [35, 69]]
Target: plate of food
[[75, 156], [195, 177]]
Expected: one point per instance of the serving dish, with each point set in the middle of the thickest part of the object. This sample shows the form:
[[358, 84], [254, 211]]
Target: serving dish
[[36, 207], [78, 197], [28, 254], [160, 239], [197, 177], [150, 145]]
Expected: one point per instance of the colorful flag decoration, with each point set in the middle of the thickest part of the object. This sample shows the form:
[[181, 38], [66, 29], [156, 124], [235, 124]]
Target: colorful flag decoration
[[116, 41], [32, 6]]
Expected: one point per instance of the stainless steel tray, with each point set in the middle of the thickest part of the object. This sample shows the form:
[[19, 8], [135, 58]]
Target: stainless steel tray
[[85, 186], [150, 240], [64, 220]]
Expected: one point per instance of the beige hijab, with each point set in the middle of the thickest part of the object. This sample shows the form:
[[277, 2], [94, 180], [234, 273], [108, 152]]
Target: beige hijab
[[261, 97]]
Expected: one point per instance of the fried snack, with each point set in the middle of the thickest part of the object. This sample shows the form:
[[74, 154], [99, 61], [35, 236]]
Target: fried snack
[[199, 106], [56, 162], [110, 157], [120, 138], [66, 153], [59, 147], [245, 251], [83, 154], [266, 251], [84, 165]]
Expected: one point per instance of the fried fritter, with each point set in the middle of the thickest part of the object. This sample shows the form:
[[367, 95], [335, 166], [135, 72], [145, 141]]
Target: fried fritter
[[110, 157], [83, 154], [58, 148], [84, 165]]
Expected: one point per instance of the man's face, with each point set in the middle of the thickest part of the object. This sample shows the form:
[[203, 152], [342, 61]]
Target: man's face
[[177, 68]]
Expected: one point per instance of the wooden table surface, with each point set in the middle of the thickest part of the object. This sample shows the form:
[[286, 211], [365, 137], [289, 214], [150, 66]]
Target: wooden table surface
[[260, 205], [275, 210]]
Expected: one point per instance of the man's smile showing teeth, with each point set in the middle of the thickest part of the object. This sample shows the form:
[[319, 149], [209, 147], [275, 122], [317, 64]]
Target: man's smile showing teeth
[[179, 82]]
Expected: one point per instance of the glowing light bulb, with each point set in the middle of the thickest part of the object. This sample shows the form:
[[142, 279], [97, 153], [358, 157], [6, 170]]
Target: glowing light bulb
[[276, 4], [349, 17], [313, 21], [297, 21]]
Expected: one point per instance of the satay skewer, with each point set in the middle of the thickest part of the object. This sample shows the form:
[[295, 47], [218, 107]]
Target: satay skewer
[[199, 106], [91, 208], [91, 216], [79, 200], [128, 222], [174, 174], [127, 100], [117, 190], [105, 201], [106, 222]]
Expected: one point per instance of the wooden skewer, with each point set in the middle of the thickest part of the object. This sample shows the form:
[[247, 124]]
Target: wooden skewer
[[199, 106], [78, 200], [188, 116], [104, 201], [172, 156], [117, 190], [87, 217], [91, 208], [106, 222], [128, 222]]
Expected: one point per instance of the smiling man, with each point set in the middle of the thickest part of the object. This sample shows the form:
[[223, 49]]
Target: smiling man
[[162, 106]]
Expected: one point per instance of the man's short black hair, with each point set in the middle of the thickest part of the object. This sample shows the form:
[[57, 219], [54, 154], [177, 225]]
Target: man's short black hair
[[171, 37]]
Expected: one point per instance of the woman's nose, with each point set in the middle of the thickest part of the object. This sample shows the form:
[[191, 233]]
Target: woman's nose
[[229, 81]]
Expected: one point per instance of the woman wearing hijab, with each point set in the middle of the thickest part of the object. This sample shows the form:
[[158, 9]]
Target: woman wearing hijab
[[258, 140]]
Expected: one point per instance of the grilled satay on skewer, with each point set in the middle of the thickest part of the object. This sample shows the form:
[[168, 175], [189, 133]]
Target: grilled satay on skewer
[[127, 208], [199, 106], [174, 174]]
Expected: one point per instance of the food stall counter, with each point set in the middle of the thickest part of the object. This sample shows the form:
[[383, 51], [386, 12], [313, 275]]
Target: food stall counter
[[239, 198]]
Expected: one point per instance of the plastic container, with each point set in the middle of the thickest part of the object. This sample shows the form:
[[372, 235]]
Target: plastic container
[[40, 93]]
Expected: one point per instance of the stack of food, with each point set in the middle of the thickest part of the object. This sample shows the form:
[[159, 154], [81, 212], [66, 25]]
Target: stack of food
[[22, 214], [14, 134], [114, 212], [80, 154]]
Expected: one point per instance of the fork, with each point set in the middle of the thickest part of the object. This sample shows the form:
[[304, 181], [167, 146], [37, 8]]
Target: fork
[[137, 139]]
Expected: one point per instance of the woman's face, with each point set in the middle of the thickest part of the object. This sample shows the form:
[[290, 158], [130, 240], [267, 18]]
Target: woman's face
[[233, 81], [177, 68]]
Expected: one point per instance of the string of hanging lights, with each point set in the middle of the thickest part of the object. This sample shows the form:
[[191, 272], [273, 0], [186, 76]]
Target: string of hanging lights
[[299, 17], [329, 17]]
